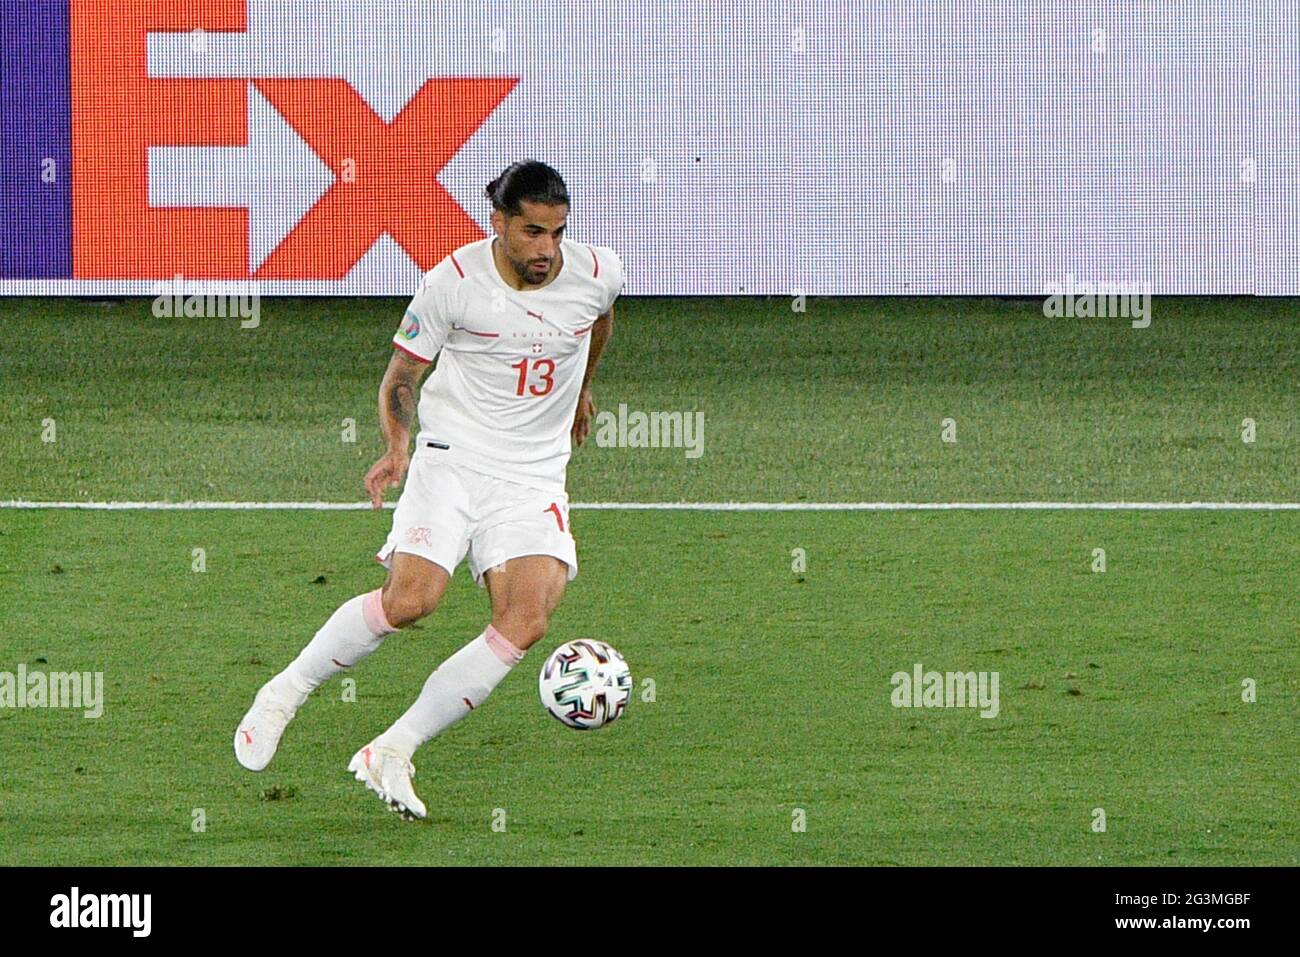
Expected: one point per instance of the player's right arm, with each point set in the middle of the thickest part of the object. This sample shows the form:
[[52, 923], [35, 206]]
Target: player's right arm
[[397, 400], [424, 329]]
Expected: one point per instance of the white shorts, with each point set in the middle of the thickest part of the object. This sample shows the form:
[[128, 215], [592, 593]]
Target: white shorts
[[447, 512]]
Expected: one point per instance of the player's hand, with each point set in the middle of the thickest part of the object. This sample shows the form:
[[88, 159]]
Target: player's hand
[[388, 472], [582, 417]]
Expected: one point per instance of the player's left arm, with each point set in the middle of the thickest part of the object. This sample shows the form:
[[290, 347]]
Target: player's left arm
[[601, 331]]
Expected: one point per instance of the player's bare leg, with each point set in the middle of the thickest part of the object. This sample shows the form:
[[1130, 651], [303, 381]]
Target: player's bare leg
[[524, 592], [359, 626]]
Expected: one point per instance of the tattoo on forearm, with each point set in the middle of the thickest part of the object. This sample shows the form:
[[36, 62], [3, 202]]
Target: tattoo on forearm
[[400, 401]]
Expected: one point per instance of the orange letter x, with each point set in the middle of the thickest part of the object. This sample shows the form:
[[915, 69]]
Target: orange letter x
[[386, 173]]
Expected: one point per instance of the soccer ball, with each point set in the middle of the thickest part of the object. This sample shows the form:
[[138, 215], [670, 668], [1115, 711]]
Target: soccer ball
[[585, 684]]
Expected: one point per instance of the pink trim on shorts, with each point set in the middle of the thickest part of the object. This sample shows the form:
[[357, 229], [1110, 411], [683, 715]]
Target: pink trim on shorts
[[508, 653], [372, 609]]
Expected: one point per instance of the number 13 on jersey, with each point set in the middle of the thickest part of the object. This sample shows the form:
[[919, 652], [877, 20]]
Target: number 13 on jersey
[[544, 370]]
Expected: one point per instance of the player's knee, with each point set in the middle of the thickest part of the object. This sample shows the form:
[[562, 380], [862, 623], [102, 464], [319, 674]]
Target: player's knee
[[403, 606]]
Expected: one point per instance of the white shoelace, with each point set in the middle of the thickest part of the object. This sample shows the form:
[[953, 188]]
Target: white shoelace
[[390, 754]]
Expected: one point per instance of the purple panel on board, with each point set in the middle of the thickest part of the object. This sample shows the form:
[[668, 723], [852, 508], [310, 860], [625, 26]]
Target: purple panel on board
[[35, 140]]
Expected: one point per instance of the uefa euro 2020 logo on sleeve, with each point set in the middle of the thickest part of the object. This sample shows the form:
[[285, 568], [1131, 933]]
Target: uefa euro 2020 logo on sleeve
[[411, 327]]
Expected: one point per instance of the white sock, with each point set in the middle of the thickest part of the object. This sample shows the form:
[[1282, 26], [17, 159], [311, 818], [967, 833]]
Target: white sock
[[457, 687], [357, 627]]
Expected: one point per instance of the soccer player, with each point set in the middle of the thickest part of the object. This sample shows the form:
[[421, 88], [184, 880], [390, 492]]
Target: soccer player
[[517, 323]]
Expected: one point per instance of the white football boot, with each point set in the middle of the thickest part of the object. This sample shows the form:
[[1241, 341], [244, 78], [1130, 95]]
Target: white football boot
[[258, 734], [388, 774]]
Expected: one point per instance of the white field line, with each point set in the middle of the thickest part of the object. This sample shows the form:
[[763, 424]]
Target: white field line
[[702, 506]]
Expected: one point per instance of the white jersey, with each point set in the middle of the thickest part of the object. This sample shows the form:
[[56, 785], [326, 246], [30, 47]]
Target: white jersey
[[503, 395]]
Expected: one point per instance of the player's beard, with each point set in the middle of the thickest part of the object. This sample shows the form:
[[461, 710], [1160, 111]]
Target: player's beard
[[523, 268], [526, 273]]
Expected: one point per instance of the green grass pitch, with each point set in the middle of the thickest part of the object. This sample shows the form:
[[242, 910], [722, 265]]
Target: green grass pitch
[[1119, 690]]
